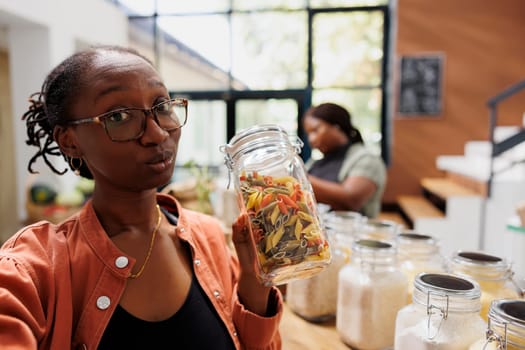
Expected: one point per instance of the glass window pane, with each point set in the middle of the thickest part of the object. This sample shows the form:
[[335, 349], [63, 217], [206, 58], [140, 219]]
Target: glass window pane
[[195, 52], [203, 134], [272, 111], [200, 6], [140, 31], [346, 3], [364, 107], [270, 50], [248, 5], [137, 7], [347, 49]]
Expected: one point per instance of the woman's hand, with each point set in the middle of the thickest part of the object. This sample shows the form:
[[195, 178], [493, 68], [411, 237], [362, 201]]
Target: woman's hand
[[252, 293]]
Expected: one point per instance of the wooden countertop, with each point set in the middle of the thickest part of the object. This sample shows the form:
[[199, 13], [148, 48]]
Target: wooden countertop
[[298, 334]]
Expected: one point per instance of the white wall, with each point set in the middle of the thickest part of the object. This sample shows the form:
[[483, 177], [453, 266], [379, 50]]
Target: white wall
[[40, 34]]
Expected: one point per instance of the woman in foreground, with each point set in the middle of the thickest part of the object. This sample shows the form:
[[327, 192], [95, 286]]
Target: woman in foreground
[[132, 269]]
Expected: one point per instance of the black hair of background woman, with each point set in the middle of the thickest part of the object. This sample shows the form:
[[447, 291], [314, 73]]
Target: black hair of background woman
[[334, 114]]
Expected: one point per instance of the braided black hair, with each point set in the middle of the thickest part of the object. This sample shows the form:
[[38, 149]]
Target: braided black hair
[[49, 107]]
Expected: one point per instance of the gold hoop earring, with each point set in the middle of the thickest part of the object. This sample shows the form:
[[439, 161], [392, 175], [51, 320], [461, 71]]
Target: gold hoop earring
[[76, 168]]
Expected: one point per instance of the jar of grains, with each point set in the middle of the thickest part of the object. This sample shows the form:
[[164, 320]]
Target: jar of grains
[[371, 291], [418, 253], [505, 327], [272, 186], [315, 299], [494, 275], [378, 229], [444, 314], [343, 221], [344, 226]]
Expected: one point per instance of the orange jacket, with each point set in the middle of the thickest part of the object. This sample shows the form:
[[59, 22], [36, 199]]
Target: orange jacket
[[60, 284]]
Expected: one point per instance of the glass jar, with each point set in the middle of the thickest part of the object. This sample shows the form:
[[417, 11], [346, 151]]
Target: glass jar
[[343, 220], [444, 314], [505, 326], [418, 253], [378, 229], [344, 225], [371, 291], [315, 299], [273, 189], [494, 275]]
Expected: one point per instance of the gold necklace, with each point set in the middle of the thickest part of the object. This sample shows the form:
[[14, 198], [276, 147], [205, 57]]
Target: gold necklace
[[137, 275]]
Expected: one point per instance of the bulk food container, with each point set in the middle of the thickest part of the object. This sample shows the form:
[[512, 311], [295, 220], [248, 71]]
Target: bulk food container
[[444, 314], [272, 186], [493, 274], [505, 327], [372, 289]]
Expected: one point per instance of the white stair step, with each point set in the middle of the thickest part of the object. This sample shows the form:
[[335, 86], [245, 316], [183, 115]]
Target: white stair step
[[503, 132], [416, 207], [479, 167], [477, 149], [484, 149], [445, 188]]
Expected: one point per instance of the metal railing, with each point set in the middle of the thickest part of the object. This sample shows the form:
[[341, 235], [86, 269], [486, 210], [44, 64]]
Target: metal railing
[[510, 142], [498, 147]]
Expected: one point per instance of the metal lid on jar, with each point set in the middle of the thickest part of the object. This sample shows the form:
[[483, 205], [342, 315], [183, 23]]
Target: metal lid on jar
[[447, 292], [371, 253], [372, 245], [506, 321], [413, 242], [374, 251], [480, 265], [343, 221], [382, 224], [378, 229], [414, 236], [508, 310], [343, 215]]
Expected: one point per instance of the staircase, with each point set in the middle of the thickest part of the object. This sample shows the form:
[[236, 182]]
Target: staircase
[[447, 210], [435, 193], [470, 206]]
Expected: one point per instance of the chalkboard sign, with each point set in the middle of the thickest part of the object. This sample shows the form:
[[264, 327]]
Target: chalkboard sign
[[420, 90]]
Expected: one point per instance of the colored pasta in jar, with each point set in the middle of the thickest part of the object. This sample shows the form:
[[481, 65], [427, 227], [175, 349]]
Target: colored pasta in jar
[[283, 226]]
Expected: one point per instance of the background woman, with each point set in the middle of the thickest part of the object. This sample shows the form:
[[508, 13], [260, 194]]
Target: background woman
[[349, 176]]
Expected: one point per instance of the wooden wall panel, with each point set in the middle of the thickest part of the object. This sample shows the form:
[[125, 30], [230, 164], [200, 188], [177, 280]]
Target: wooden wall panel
[[484, 47]]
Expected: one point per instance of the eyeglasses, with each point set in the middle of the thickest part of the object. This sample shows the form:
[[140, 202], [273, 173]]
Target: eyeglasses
[[129, 124]]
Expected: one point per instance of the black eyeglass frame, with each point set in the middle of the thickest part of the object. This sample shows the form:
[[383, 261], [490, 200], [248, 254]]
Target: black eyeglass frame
[[101, 118]]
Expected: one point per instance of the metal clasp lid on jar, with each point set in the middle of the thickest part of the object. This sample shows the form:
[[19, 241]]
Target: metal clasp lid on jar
[[379, 229], [506, 324], [443, 313], [484, 267], [256, 137], [372, 253], [412, 244], [447, 294]]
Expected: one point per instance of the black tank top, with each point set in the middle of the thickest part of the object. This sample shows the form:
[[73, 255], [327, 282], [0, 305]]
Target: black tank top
[[196, 325]]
